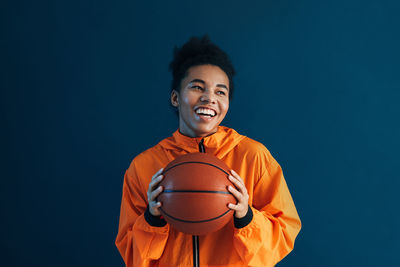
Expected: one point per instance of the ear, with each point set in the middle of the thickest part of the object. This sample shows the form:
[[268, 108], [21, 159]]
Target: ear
[[174, 98]]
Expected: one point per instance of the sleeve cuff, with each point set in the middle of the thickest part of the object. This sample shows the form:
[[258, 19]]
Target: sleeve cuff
[[242, 222], [156, 221]]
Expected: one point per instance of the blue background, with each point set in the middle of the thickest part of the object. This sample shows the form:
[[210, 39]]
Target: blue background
[[85, 88]]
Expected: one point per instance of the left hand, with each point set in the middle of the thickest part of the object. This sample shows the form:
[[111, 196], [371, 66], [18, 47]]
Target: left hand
[[241, 195]]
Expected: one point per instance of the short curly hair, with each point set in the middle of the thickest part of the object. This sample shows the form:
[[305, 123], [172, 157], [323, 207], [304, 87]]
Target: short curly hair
[[199, 51]]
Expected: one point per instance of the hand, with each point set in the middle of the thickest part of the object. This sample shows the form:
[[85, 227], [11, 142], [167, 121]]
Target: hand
[[153, 192], [241, 195]]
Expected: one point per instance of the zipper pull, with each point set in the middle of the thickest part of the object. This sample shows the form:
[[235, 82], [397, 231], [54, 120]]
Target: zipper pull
[[201, 146]]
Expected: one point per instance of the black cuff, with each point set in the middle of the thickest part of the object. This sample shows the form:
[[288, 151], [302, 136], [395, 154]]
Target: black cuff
[[156, 221], [242, 222]]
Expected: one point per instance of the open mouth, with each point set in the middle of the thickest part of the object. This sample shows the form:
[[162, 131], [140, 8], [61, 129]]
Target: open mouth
[[206, 112]]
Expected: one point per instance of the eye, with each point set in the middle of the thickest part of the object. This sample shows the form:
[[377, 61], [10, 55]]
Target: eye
[[221, 93], [197, 87]]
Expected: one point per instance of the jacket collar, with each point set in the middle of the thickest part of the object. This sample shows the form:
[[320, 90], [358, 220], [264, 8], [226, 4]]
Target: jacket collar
[[219, 143]]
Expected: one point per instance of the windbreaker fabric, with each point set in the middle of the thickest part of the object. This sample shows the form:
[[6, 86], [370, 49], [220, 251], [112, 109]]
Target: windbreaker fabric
[[267, 239]]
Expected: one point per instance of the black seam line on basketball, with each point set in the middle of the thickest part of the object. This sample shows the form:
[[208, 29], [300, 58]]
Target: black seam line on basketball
[[197, 191], [205, 163], [201, 221]]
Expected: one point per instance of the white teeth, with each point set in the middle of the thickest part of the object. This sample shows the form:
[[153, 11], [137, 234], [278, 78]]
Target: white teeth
[[206, 111]]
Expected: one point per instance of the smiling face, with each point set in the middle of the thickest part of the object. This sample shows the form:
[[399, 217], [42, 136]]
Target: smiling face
[[203, 100]]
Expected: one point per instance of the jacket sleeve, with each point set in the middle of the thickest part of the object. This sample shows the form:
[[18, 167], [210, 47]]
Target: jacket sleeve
[[270, 235], [139, 243]]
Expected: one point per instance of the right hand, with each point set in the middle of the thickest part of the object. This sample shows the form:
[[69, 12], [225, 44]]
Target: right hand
[[153, 192]]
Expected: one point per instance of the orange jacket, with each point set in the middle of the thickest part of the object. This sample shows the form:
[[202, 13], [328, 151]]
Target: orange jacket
[[264, 241]]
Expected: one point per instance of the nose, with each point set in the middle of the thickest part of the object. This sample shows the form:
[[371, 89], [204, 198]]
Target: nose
[[207, 97]]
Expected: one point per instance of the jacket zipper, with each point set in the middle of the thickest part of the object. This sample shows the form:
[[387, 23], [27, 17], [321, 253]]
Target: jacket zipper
[[196, 261], [195, 238]]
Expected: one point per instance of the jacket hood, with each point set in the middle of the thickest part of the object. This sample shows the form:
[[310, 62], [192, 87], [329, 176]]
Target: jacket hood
[[219, 144]]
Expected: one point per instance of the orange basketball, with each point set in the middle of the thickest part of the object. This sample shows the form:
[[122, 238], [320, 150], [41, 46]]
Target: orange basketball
[[195, 196]]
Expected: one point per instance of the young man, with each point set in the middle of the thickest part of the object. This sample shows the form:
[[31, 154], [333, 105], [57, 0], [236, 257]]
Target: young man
[[265, 222]]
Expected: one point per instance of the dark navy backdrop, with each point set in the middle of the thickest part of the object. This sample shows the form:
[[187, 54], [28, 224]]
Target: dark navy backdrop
[[85, 88]]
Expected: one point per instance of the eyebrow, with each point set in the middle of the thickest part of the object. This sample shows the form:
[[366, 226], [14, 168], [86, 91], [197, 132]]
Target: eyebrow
[[203, 82]]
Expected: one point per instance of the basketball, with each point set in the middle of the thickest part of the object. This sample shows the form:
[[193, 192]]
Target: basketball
[[195, 196]]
